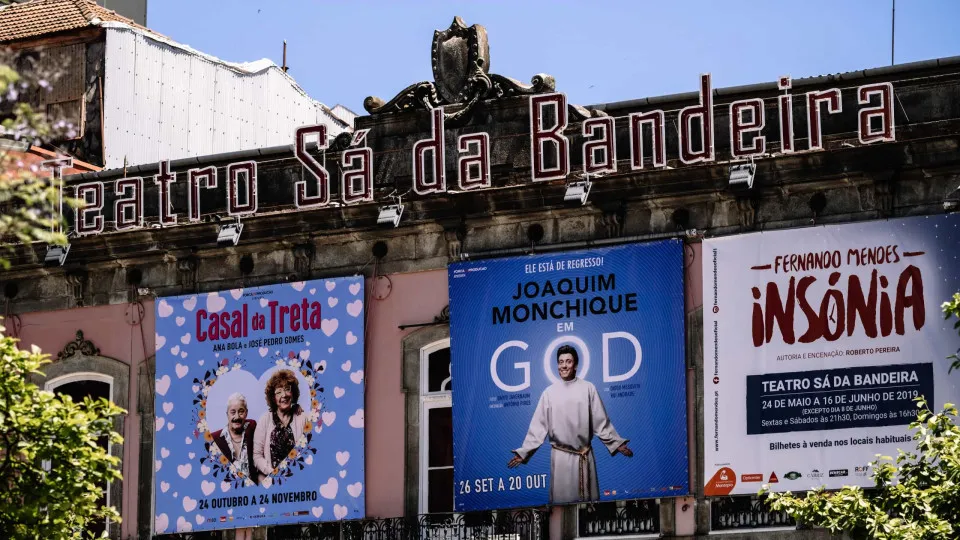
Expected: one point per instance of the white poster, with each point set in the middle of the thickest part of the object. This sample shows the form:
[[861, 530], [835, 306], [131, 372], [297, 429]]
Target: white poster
[[816, 342]]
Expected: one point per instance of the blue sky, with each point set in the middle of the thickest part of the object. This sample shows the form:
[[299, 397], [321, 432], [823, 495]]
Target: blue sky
[[600, 51]]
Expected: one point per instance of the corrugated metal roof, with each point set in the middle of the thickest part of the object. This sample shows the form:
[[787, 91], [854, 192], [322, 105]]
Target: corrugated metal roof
[[166, 101]]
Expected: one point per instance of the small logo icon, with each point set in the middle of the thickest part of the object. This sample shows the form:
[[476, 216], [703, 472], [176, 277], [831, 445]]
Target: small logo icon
[[716, 380], [716, 309], [838, 472], [792, 475], [773, 478], [861, 470], [723, 475], [816, 474], [751, 478]]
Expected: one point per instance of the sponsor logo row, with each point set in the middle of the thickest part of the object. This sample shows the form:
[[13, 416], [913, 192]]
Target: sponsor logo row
[[815, 473]]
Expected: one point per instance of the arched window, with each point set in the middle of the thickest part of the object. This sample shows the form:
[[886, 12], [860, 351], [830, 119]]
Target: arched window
[[79, 386], [436, 429]]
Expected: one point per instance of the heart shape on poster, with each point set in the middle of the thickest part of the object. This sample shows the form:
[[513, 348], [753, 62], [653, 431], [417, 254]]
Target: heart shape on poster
[[207, 487], [164, 309], [317, 511], [188, 503], [329, 417], [215, 302], [183, 525], [298, 285], [330, 285], [329, 489], [313, 291], [190, 303], [181, 370], [164, 453], [343, 458], [236, 293], [338, 392], [346, 366], [167, 407], [339, 511], [333, 301], [356, 420], [158, 342], [354, 308], [180, 321], [343, 473], [355, 489], [329, 326], [355, 288], [351, 338], [161, 523], [357, 376], [163, 384], [185, 339], [164, 487]]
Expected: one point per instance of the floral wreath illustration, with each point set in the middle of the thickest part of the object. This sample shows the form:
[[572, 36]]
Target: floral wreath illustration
[[303, 451]]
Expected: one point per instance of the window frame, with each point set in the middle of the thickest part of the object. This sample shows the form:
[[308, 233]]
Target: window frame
[[428, 401], [51, 385]]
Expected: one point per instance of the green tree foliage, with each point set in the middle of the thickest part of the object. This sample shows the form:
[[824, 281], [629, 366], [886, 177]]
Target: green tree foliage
[[952, 309], [917, 496], [29, 198], [52, 469]]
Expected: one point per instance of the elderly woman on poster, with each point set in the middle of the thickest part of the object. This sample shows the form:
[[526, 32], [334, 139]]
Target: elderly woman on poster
[[279, 427]]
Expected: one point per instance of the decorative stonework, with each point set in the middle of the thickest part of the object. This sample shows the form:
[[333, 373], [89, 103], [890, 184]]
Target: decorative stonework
[[302, 259], [79, 346], [444, 316], [460, 56], [883, 194], [747, 210], [77, 280], [611, 223], [187, 270]]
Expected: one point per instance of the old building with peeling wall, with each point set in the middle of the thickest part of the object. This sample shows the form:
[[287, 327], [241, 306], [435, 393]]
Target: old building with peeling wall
[[97, 309]]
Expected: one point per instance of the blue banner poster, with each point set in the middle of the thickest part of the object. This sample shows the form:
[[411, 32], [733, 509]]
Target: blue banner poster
[[569, 377], [259, 406]]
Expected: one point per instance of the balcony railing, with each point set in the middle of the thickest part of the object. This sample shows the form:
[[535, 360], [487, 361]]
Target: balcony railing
[[615, 519], [527, 524], [748, 512]]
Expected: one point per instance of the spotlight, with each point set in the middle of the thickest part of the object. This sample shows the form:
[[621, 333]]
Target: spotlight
[[577, 192], [741, 175], [390, 213], [229, 234], [56, 255]]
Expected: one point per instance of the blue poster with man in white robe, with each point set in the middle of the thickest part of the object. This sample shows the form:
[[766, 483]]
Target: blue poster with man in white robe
[[569, 377]]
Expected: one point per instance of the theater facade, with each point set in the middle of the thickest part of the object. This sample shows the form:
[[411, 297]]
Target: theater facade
[[712, 258]]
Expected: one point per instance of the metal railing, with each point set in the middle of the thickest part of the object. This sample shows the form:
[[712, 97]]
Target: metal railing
[[526, 524], [614, 519], [747, 512]]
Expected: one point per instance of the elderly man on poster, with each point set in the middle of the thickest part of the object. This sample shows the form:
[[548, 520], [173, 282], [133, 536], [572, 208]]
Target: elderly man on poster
[[570, 413]]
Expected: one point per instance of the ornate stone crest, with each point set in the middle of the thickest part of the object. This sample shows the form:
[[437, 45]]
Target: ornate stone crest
[[461, 69], [79, 345]]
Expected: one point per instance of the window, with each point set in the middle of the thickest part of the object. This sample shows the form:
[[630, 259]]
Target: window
[[78, 386], [436, 429]]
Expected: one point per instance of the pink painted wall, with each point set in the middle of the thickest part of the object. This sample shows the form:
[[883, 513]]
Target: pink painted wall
[[115, 331], [414, 298]]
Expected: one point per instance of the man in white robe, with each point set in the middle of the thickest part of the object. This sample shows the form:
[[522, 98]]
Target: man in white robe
[[570, 413]]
